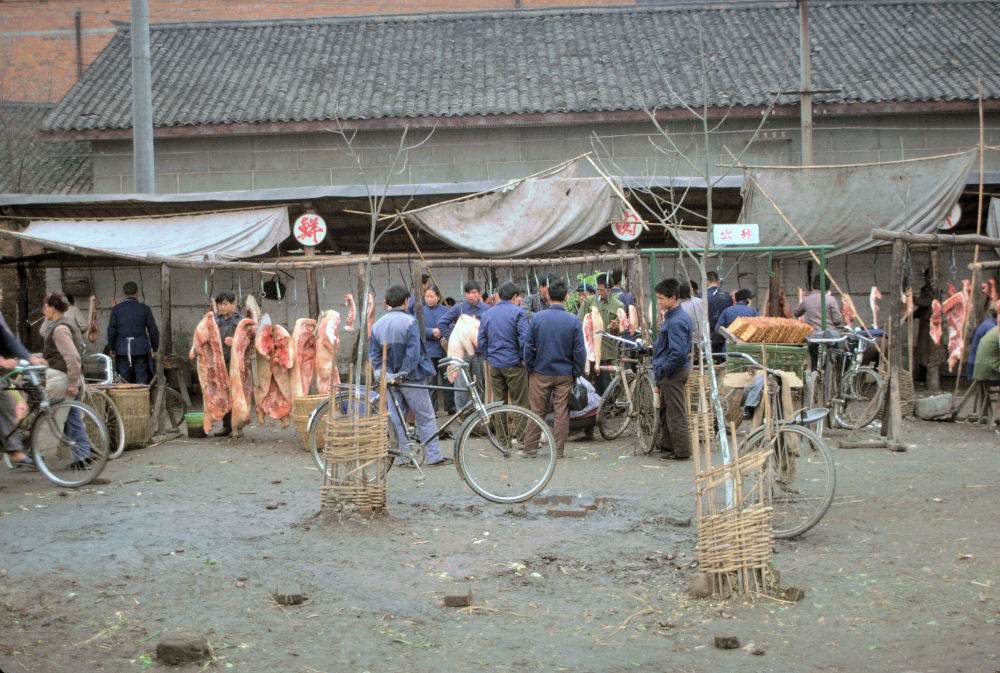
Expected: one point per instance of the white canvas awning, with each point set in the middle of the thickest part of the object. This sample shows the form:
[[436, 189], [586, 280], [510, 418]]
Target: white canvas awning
[[535, 215], [840, 205], [215, 236]]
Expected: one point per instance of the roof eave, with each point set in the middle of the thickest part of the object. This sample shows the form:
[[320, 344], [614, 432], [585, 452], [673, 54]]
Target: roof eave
[[540, 119]]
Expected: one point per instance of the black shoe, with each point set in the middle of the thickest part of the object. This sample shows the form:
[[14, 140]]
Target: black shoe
[[672, 457], [444, 434], [224, 432], [80, 465], [443, 461], [407, 464]]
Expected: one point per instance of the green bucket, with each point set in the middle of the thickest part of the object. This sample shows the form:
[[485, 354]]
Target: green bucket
[[195, 420]]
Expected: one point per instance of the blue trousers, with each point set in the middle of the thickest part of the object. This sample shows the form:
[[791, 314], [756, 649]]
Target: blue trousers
[[74, 428], [419, 401]]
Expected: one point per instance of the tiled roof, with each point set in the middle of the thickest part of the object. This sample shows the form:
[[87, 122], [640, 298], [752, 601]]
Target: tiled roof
[[31, 164], [547, 61]]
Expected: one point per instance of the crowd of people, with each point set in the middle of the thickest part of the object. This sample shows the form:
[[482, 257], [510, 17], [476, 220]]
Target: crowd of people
[[536, 351]]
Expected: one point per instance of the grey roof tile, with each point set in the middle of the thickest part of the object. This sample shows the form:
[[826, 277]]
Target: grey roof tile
[[528, 62], [31, 164]]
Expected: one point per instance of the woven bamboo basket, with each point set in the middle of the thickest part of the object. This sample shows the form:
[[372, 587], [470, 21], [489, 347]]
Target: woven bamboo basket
[[357, 453], [302, 408], [132, 400], [906, 391]]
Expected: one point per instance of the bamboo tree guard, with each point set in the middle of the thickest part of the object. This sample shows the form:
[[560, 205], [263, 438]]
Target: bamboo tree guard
[[356, 450]]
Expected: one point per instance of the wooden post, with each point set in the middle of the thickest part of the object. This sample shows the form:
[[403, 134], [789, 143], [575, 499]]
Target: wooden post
[[774, 290], [311, 290], [892, 417], [360, 325], [934, 367], [160, 424]]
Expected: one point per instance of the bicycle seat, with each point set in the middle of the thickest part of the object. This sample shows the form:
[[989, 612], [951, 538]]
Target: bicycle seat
[[828, 337]]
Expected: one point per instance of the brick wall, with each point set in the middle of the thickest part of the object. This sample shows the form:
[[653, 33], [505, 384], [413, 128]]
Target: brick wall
[[38, 43]]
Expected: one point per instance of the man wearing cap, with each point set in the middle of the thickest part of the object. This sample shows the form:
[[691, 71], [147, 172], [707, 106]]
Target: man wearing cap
[[741, 309], [133, 337], [607, 305]]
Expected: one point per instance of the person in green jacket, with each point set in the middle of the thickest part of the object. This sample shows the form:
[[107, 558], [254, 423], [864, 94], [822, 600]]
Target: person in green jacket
[[987, 367]]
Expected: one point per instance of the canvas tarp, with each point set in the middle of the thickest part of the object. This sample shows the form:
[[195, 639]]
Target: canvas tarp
[[532, 216], [840, 205], [214, 236], [993, 221]]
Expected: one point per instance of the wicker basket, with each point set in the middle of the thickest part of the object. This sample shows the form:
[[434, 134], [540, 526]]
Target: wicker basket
[[302, 408], [132, 400], [356, 452]]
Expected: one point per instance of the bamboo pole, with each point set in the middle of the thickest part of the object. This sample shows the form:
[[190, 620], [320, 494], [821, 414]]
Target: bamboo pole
[[935, 239], [454, 259]]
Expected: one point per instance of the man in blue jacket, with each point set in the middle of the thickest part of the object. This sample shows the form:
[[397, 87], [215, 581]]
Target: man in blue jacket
[[717, 300], [554, 355], [434, 310], [133, 337], [405, 358], [502, 333], [741, 309], [671, 369], [474, 306]]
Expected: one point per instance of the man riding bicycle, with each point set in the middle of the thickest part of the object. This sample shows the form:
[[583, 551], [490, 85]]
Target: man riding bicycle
[[10, 351]]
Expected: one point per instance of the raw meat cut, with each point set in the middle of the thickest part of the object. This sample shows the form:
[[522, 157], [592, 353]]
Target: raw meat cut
[[92, 320], [936, 322], [272, 343], [784, 311], [623, 321], [207, 347], [463, 341], [802, 295], [352, 313], [240, 376], [327, 344], [848, 310], [303, 354], [955, 309], [872, 296], [592, 325], [633, 316], [262, 362], [370, 315], [251, 309], [908, 307]]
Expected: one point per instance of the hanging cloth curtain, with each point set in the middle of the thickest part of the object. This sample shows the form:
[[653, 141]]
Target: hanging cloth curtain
[[213, 236], [840, 205], [532, 216]]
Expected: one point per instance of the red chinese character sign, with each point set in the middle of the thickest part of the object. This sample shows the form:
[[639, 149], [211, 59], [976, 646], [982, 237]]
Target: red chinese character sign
[[627, 229], [736, 234], [309, 229]]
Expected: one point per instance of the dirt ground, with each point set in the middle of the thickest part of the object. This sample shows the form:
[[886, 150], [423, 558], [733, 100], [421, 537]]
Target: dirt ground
[[195, 536]]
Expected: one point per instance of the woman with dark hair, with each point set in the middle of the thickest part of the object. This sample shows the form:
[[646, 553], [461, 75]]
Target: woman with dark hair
[[61, 350]]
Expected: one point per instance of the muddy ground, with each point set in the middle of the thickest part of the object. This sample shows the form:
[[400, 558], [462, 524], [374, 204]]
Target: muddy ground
[[196, 536]]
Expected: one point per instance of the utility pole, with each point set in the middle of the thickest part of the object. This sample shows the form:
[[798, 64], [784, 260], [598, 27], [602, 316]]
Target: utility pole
[[142, 101], [805, 72]]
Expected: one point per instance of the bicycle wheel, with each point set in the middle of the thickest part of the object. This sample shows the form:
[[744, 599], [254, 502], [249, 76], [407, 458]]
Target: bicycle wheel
[[101, 402], [317, 430], [486, 455], [647, 419], [59, 455], [862, 393], [799, 477], [614, 414], [174, 406]]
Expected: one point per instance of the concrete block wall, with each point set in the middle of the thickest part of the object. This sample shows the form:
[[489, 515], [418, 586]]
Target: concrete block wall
[[467, 155]]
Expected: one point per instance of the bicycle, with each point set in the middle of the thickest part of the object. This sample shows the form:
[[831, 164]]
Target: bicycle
[[98, 370], [55, 453], [631, 395], [489, 444], [173, 403], [799, 476], [853, 392]]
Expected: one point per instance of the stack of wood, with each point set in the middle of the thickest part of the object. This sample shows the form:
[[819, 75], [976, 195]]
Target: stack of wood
[[763, 329]]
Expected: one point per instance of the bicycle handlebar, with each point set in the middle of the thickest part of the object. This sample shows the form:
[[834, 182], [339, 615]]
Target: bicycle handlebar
[[747, 357], [638, 343]]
